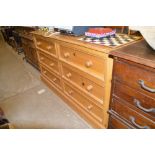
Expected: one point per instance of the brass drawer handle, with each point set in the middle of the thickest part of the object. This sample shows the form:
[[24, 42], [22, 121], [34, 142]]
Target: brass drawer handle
[[89, 88], [68, 75], [49, 47], [88, 63], [132, 119], [52, 64], [70, 92], [138, 104], [90, 107], [142, 84], [54, 79], [66, 55], [38, 43]]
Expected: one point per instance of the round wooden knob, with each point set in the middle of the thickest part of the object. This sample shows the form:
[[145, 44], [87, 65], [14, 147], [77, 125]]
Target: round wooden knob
[[52, 64], [66, 55], [42, 58], [90, 107], [49, 47], [68, 75], [38, 43], [54, 79], [70, 92], [88, 63], [89, 88]]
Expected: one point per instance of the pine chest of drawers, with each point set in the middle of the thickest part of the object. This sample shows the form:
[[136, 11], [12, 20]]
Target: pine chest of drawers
[[133, 88], [79, 72]]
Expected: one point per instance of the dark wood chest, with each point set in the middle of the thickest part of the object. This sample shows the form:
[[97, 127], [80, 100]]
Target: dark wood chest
[[133, 88]]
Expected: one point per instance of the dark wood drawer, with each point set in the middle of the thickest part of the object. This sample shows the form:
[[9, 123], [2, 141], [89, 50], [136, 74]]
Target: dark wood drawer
[[130, 116], [140, 78], [141, 102], [117, 123]]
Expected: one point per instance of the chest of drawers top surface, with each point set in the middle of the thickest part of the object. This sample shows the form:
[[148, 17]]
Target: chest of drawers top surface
[[139, 52], [74, 40]]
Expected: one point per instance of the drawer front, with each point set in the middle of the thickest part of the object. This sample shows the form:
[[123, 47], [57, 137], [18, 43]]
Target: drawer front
[[49, 62], [71, 75], [51, 77], [90, 63], [136, 77], [140, 101], [116, 123], [132, 117], [91, 88], [48, 46], [86, 104]]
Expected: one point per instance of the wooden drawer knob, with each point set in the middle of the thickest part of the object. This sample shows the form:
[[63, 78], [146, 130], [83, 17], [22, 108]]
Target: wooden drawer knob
[[70, 92], [38, 43], [49, 47], [54, 79], [44, 72], [90, 107], [89, 88], [66, 55], [68, 75], [52, 64], [88, 63], [42, 58]]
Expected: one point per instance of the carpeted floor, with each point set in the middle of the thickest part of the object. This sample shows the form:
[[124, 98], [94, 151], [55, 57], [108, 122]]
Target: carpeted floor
[[26, 101]]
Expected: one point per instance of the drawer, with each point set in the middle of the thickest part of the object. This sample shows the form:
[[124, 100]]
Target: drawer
[[92, 64], [94, 90], [48, 46], [83, 102], [135, 76], [130, 116], [49, 61], [141, 102], [71, 75], [116, 123], [51, 77]]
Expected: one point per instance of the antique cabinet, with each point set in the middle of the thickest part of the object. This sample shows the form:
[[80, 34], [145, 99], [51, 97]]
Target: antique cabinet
[[29, 46], [133, 87]]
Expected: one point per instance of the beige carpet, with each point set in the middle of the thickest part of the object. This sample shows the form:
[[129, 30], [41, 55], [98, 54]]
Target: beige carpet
[[21, 102]]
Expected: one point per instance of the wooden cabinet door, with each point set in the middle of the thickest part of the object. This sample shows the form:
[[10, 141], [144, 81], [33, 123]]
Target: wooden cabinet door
[[33, 56], [26, 50]]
